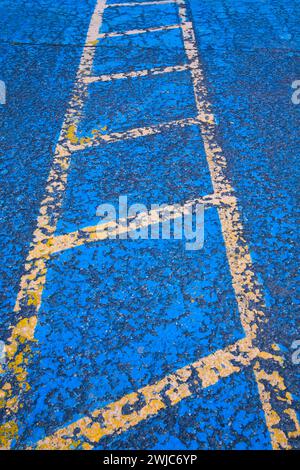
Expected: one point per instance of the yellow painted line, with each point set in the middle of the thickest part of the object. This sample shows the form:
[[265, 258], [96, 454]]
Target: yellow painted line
[[148, 401], [134, 4], [111, 229], [138, 31], [248, 292], [277, 404], [245, 285], [76, 144], [18, 348], [136, 73]]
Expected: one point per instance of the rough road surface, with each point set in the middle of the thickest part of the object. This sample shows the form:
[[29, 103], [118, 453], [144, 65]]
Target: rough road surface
[[126, 342]]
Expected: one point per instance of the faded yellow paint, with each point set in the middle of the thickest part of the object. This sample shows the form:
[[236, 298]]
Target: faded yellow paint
[[247, 290], [18, 349], [71, 134], [86, 446], [94, 432], [101, 232], [153, 398], [8, 432], [5, 394], [82, 141], [293, 416], [17, 353], [266, 355], [99, 138], [272, 390], [25, 328], [34, 297]]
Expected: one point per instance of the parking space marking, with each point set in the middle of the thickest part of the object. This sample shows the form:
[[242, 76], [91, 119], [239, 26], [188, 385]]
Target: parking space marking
[[18, 347], [134, 4], [138, 31], [150, 400], [76, 143], [137, 73], [108, 230], [277, 403]]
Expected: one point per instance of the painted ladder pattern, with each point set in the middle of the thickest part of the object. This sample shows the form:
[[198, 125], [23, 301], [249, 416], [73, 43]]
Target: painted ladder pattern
[[276, 401]]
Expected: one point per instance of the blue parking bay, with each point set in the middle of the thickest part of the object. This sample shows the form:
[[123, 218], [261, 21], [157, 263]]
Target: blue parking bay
[[166, 168], [120, 105], [139, 51], [124, 18], [118, 315]]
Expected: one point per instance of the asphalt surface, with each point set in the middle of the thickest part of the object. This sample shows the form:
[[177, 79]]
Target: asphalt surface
[[118, 315]]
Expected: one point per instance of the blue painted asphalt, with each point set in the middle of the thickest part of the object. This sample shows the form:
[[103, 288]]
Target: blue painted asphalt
[[145, 101], [166, 50], [118, 315]]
